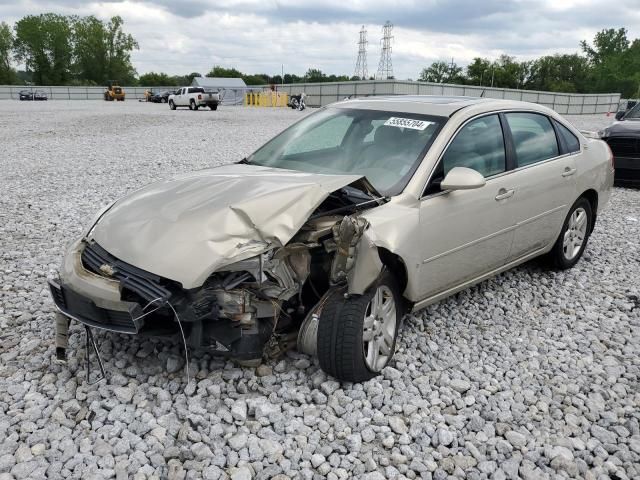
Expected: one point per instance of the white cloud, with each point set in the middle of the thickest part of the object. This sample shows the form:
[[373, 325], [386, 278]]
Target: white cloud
[[255, 36]]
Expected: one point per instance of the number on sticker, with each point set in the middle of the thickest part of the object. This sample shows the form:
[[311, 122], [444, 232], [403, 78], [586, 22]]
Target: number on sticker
[[407, 123]]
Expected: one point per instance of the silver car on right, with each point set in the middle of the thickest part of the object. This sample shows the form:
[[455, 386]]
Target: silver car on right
[[328, 233]]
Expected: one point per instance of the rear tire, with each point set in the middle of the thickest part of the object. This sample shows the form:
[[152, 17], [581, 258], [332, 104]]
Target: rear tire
[[214, 106], [172, 105], [192, 105], [357, 335], [574, 235], [163, 100]]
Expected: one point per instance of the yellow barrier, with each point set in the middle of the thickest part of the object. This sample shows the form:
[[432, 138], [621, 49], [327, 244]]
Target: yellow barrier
[[266, 99]]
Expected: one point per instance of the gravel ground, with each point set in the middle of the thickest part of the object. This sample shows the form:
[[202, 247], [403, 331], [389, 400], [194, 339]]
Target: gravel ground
[[533, 374]]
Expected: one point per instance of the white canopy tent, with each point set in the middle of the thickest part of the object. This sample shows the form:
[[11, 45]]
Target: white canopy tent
[[231, 89]]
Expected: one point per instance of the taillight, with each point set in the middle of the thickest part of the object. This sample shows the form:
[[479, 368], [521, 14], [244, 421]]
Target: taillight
[[611, 157], [199, 97]]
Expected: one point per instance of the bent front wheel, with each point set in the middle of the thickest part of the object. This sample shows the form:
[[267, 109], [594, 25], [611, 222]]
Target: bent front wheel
[[357, 335]]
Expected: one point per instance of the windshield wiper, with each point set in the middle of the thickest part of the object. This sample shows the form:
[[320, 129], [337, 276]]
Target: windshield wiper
[[353, 206]]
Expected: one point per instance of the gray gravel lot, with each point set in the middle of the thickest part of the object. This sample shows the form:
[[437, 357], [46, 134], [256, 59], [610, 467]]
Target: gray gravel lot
[[533, 374]]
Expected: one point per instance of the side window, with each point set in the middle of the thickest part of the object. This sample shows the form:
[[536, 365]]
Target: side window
[[479, 145], [534, 137], [570, 140], [326, 135]]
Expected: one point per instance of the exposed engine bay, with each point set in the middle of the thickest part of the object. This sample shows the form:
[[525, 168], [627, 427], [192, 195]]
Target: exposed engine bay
[[250, 309]]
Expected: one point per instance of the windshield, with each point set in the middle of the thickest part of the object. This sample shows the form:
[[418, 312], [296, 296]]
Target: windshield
[[385, 147], [634, 113]]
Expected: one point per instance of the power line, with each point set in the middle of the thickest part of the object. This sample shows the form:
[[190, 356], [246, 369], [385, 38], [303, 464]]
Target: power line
[[385, 67], [361, 63]]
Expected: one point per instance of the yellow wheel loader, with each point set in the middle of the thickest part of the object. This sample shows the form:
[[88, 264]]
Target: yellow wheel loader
[[114, 92]]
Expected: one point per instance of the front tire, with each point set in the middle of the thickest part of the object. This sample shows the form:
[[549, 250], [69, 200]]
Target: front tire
[[357, 335], [163, 100], [574, 235], [172, 105]]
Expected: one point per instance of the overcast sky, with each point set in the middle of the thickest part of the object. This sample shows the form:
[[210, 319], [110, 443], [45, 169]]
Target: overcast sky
[[255, 36]]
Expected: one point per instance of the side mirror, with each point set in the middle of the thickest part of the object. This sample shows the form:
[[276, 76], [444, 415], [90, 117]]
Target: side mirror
[[462, 178], [620, 115]]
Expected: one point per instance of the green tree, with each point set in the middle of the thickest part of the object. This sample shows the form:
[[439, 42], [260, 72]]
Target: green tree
[[477, 71], [90, 50], [436, 73], [119, 46], [102, 51], [218, 71], [315, 75], [441, 72], [607, 44], [614, 62], [560, 73], [44, 44], [153, 79], [7, 73]]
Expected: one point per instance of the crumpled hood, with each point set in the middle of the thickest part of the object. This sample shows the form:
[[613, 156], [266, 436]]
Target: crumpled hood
[[187, 227]]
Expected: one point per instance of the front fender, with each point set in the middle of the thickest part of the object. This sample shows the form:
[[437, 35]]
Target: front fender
[[368, 265]]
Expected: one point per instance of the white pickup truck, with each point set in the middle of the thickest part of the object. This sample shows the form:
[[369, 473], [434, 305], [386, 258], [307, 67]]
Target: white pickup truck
[[194, 97]]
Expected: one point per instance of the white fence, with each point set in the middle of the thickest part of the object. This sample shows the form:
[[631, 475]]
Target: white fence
[[230, 96], [319, 94], [75, 93]]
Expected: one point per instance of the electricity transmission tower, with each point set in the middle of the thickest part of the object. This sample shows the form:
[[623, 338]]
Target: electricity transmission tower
[[385, 67], [361, 63]]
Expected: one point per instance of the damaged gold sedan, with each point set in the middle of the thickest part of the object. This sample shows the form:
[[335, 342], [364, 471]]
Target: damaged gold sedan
[[330, 232]]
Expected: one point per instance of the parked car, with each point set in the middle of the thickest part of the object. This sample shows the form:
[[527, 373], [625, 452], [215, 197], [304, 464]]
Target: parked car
[[623, 137], [327, 234], [194, 98], [161, 97], [38, 95]]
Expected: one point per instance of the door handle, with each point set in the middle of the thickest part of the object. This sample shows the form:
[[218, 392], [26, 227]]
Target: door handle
[[568, 172], [504, 193]]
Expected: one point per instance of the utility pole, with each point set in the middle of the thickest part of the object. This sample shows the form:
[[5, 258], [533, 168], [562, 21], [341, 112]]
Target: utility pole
[[385, 67], [361, 63]]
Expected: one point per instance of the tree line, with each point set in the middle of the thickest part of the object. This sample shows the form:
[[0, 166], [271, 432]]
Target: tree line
[[154, 79], [72, 50], [609, 64], [66, 50]]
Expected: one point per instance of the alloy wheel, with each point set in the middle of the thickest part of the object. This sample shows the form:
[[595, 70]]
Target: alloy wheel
[[575, 234], [379, 329]]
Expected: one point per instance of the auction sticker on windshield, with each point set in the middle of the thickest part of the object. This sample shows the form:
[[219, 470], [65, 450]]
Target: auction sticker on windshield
[[407, 123]]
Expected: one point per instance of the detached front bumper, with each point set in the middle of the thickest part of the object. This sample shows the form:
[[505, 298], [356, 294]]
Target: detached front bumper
[[91, 299]]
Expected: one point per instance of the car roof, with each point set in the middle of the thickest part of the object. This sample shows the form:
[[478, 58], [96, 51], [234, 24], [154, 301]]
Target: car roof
[[436, 105]]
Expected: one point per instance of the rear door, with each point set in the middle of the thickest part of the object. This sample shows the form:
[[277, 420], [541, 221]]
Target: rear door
[[467, 233], [544, 179]]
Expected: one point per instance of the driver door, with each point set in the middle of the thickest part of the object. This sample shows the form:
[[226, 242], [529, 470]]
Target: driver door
[[466, 234]]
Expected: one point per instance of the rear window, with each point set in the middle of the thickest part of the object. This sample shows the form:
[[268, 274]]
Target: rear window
[[534, 137], [571, 142], [196, 90]]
